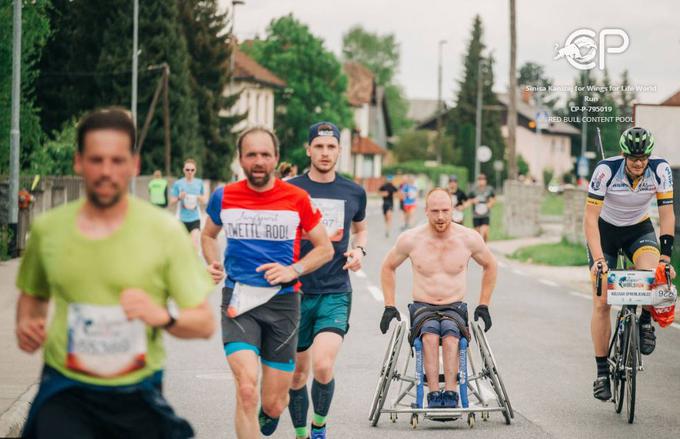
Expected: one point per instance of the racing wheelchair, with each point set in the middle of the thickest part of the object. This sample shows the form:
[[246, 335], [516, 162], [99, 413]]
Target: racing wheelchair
[[481, 389]]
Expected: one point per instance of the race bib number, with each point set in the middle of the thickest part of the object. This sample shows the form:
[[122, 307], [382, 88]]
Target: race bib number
[[333, 217], [457, 216], [246, 297], [190, 202], [481, 209], [102, 342], [630, 287]]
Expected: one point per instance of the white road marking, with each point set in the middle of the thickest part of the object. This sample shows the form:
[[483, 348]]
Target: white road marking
[[548, 282], [675, 325], [376, 293], [361, 274], [520, 272], [581, 295]]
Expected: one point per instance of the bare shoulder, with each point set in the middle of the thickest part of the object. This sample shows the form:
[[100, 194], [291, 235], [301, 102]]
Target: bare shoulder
[[471, 237], [407, 239]]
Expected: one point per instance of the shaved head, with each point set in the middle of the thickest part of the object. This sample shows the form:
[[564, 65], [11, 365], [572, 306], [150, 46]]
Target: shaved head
[[438, 194]]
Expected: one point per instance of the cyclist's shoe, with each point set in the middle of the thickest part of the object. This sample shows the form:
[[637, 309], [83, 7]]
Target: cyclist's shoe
[[647, 339], [318, 432], [435, 400], [602, 388], [450, 399]]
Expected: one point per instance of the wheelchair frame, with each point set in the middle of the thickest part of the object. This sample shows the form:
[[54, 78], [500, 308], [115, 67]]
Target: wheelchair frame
[[472, 382]]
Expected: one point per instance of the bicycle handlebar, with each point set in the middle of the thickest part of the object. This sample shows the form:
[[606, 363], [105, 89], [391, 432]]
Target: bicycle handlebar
[[598, 280], [667, 269]]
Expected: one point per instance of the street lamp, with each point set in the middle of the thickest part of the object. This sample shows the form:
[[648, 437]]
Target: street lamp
[[234, 3]]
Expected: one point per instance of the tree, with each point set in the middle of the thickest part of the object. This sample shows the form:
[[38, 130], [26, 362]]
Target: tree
[[381, 55], [35, 30], [463, 118], [210, 54], [316, 84], [626, 97], [533, 75], [98, 72]]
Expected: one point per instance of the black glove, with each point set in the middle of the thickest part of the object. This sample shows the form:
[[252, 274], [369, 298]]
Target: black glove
[[483, 312], [389, 313]]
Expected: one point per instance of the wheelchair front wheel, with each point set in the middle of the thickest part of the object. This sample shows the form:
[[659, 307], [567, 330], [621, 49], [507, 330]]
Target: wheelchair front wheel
[[387, 372]]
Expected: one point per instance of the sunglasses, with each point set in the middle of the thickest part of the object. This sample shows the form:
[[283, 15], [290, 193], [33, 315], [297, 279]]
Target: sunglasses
[[189, 170], [636, 159]]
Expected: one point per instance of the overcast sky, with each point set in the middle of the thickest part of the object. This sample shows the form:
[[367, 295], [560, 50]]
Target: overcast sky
[[653, 57]]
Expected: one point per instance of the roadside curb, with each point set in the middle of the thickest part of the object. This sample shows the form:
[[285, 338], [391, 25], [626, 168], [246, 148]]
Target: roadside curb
[[12, 421]]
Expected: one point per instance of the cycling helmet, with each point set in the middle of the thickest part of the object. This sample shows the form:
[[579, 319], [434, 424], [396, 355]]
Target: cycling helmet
[[636, 141]]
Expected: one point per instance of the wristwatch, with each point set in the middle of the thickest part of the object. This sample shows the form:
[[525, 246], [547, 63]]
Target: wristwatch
[[363, 250], [299, 269], [173, 313]]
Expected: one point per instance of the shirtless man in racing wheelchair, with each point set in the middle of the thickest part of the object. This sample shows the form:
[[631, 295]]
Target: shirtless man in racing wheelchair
[[439, 251]]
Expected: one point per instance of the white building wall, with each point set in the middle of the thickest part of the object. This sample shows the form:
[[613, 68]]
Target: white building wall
[[544, 151]]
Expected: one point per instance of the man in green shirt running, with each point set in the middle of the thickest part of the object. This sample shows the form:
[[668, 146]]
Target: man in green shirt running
[[158, 190], [109, 263]]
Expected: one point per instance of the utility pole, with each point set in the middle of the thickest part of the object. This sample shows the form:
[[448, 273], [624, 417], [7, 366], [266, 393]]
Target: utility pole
[[135, 66], [478, 117], [14, 133], [440, 104], [512, 96]]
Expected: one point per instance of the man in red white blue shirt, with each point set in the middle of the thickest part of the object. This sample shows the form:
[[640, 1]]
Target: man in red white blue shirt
[[263, 219]]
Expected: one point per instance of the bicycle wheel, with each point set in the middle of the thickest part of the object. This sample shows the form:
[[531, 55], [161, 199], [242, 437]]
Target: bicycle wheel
[[616, 367], [386, 373], [489, 364], [631, 367]]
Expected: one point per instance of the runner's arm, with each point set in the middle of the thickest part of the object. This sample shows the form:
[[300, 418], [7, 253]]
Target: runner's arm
[[209, 245], [483, 256], [321, 253], [359, 239], [395, 257], [196, 322], [30, 322]]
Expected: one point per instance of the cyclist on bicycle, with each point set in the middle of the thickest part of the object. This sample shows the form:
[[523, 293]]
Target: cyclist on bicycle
[[616, 218]]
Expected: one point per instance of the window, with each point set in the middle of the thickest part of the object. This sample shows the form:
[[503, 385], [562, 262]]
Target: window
[[367, 166]]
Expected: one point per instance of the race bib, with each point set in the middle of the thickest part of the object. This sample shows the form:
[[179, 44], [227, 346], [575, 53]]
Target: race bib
[[454, 200], [457, 216], [246, 297], [102, 342], [190, 202], [481, 209], [333, 217]]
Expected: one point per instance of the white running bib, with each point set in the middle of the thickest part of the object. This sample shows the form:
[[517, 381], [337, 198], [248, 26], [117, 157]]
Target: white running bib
[[481, 209], [190, 201], [457, 216], [102, 342], [246, 297]]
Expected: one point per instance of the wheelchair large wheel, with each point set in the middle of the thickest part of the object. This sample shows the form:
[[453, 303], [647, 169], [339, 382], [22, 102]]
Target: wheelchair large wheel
[[489, 363], [387, 372], [631, 368]]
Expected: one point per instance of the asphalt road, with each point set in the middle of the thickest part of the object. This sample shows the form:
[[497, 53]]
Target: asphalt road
[[540, 338]]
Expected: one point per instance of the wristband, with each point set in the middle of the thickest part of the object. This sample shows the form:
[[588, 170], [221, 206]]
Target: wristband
[[667, 244]]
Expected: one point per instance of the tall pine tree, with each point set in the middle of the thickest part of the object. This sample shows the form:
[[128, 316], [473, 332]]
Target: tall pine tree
[[210, 50], [463, 118], [88, 62]]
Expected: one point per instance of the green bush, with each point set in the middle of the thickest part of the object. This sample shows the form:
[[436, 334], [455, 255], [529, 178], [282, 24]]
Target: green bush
[[5, 238], [433, 173]]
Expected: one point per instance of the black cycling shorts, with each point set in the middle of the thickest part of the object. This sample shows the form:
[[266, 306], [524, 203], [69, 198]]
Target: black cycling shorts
[[479, 222], [386, 207], [635, 239]]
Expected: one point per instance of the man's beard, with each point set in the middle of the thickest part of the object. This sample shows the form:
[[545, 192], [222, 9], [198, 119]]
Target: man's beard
[[101, 203], [440, 228], [257, 181]]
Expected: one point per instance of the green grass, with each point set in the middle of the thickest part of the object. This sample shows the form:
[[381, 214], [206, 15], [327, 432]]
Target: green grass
[[553, 204], [558, 254], [496, 232]]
